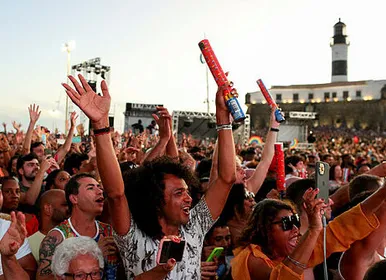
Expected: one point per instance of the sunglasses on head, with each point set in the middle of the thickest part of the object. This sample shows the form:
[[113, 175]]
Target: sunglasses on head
[[288, 222], [249, 195]]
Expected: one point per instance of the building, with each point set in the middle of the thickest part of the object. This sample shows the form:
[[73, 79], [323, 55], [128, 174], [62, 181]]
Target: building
[[358, 104]]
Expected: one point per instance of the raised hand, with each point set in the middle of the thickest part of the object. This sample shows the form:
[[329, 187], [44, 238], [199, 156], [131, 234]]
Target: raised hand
[[314, 208], [94, 106], [4, 144], [16, 126], [34, 113], [73, 118], [15, 235], [273, 122], [164, 121]]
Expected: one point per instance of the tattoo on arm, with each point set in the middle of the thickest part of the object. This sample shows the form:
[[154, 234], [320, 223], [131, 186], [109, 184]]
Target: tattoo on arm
[[47, 249]]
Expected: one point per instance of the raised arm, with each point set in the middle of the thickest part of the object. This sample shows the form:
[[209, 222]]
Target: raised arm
[[254, 183], [293, 266], [217, 193], [63, 150], [32, 194], [164, 121], [97, 109], [34, 115]]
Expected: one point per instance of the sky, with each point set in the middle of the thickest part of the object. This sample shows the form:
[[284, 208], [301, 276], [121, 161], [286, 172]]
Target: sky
[[152, 48]]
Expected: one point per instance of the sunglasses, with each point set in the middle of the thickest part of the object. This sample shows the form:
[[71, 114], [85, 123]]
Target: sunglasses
[[249, 195], [288, 222]]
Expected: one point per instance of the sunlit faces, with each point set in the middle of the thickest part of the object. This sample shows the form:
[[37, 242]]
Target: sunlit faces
[[39, 152], [282, 242], [363, 169], [59, 207], [220, 237], [300, 165], [14, 165], [11, 195], [338, 173], [82, 265], [61, 180], [30, 169], [241, 176], [177, 201], [90, 197], [330, 160]]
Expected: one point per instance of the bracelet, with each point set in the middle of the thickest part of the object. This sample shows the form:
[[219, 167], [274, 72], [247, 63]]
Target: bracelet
[[224, 127], [295, 262], [274, 129], [102, 131]]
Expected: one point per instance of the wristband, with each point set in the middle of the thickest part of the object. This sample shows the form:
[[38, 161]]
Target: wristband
[[102, 131], [274, 129], [295, 262], [224, 127]]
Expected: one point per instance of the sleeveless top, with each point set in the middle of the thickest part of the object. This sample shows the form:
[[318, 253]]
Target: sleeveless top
[[381, 258], [67, 230]]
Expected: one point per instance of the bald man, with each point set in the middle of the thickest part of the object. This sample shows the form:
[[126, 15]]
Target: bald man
[[53, 211]]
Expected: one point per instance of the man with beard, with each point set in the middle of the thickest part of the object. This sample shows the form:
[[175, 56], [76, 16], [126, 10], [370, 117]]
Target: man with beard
[[53, 210], [31, 175], [11, 199], [85, 200]]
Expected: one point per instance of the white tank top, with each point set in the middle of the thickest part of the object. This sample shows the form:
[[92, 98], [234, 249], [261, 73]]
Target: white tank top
[[381, 258]]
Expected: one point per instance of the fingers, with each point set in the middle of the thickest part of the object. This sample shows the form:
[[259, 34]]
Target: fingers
[[21, 223], [74, 96], [85, 84], [173, 238], [155, 117], [77, 86], [105, 90], [13, 218], [169, 265]]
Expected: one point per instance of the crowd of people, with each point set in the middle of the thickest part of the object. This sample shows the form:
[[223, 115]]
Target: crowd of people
[[113, 206]]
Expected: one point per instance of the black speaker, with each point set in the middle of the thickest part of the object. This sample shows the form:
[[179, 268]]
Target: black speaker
[[188, 122]]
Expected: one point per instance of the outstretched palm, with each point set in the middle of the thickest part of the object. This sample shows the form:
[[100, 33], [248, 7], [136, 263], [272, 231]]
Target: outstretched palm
[[15, 235], [94, 106]]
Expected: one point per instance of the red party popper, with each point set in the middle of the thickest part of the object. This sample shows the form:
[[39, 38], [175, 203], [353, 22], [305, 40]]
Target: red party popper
[[280, 172], [221, 79], [271, 102]]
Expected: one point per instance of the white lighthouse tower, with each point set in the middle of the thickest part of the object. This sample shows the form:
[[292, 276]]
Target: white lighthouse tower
[[339, 48]]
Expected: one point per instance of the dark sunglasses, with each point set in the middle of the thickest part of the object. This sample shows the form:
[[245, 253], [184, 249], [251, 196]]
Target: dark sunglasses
[[288, 222]]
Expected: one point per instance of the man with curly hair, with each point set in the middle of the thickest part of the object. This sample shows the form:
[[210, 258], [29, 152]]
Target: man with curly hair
[[160, 191]]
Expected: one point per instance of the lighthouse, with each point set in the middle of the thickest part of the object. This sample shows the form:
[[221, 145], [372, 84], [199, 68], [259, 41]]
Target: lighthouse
[[339, 47]]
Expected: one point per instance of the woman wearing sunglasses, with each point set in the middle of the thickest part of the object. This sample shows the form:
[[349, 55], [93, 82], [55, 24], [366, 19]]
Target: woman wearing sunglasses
[[271, 246]]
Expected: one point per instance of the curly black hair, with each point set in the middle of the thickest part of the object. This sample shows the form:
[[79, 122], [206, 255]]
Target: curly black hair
[[144, 189], [260, 222], [235, 202]]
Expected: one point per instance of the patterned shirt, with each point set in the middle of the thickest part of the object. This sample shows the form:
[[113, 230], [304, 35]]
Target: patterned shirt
[[111, 261], [139, 251]]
